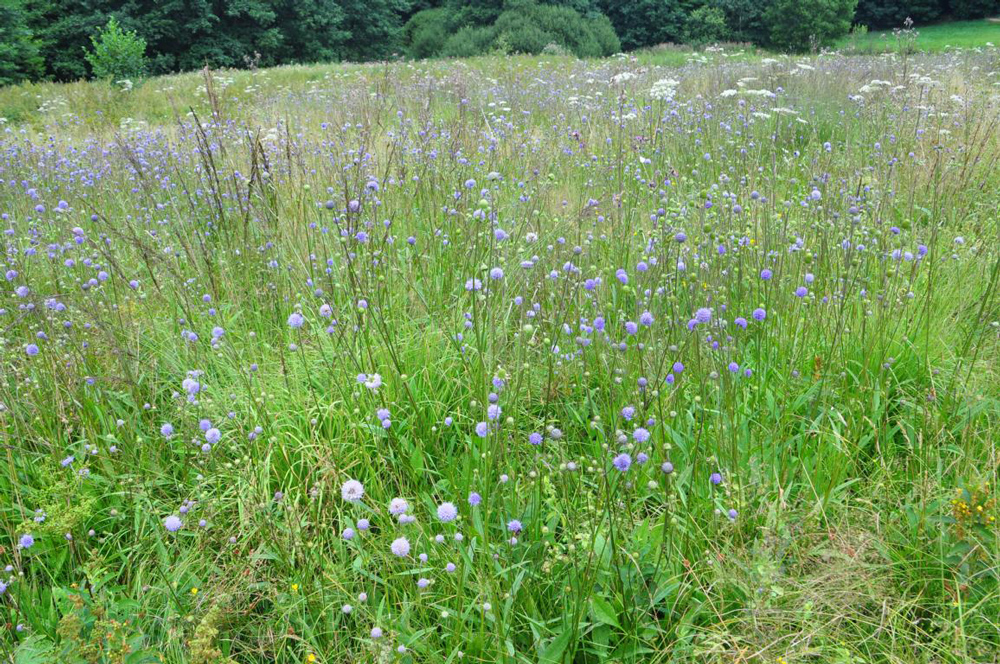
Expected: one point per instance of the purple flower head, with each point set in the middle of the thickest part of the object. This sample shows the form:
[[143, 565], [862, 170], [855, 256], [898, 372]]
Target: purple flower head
[[352, 491], [447, 512], [398, 506], [622, 462], [400, 547], [172, 523]]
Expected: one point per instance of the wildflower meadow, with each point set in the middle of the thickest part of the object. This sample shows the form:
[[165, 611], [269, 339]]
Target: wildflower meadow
[[655, 358]]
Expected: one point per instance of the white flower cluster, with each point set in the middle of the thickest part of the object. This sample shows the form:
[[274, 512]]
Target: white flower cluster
[[664, 89]]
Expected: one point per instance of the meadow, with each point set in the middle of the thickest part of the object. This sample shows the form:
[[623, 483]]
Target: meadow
[[522, 359], [932, 38]]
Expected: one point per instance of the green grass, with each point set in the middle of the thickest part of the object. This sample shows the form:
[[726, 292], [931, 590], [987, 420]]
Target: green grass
[[858, 453], [934, 38]]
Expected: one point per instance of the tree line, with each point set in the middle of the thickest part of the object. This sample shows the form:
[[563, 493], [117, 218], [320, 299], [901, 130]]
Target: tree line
[[72, 39]]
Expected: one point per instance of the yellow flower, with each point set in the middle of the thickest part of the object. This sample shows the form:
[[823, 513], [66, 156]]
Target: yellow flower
[[194, 591], [295, 587]]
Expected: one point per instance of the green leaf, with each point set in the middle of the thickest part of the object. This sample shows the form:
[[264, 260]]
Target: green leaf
[[603, 611], [36, 649], [553, 653]]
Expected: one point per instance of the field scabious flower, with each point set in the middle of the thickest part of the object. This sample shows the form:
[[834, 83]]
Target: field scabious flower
[[400, 547], [371, 381], [622, 462], [352, 491], [172, 523], [398, 506], [447, 512]]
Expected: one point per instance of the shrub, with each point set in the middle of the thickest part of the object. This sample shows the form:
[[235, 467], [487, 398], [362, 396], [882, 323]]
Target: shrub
[[117, 54], [528, 27], [798, 25], [705, 25], [468, 42], [426, 33]]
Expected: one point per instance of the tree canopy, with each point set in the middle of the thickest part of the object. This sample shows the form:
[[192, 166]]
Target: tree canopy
[[48, 39]]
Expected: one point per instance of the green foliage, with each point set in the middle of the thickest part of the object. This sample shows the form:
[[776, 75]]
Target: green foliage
[[117, 54], [426, 32], [705, 25], [745, 20], [967, 9], [42, 39], [800, 25], [372, 28], [469, 41], [525, 26], [529, 27], [640, 23], [62, 30], [888, 14], [19, 57]]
